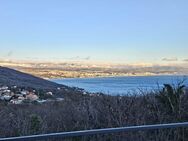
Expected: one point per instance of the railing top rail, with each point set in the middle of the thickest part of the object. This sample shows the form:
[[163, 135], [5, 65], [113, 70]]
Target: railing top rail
[[96, 131]]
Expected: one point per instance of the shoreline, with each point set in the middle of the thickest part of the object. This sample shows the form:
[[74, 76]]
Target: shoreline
[[173, 75]]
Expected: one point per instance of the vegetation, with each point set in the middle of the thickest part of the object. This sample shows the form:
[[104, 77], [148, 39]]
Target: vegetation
[[170, 97], [80, 112], [35, 124]]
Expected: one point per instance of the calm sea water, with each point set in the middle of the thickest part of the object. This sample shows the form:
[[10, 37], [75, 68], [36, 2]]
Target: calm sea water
[[121, 85]]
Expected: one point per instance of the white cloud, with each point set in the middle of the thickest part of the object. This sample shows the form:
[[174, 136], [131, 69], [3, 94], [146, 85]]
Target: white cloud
[[170, 59], [185, 60]]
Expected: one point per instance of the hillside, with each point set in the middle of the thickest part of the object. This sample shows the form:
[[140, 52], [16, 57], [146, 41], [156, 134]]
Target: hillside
[[12, 77]]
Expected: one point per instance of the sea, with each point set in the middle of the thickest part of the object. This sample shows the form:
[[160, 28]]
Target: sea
[[122, 85]]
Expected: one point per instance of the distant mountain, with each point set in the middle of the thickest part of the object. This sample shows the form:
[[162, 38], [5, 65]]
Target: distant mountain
[[12, 77], [93, 69]]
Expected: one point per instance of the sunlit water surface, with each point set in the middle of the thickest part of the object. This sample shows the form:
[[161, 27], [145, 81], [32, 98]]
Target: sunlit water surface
[[121, 85]]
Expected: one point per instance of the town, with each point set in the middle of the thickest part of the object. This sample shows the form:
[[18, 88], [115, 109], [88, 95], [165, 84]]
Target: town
[[53, 70], [19, 95]]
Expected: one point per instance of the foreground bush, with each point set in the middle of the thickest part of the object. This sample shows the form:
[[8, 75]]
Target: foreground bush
[[80, 112]]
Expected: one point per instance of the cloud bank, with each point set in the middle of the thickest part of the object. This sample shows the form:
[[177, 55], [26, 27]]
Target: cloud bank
[[185, 60], [170, 59]]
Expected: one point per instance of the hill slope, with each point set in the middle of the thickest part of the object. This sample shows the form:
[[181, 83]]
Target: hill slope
[[12, 77]]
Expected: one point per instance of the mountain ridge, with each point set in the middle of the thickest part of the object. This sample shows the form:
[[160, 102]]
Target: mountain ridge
[[10, 77]]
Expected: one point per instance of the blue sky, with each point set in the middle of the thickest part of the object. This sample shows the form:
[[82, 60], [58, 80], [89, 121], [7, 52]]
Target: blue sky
[[125, 31]]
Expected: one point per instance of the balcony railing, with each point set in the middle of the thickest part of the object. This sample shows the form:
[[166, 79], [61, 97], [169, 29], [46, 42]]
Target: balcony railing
[[95, 132]]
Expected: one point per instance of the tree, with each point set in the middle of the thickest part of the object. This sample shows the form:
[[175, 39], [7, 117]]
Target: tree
[[35, 124], [170, 98]]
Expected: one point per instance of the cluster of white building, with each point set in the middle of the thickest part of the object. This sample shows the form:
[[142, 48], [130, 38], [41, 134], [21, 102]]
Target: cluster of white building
[[18, 97]]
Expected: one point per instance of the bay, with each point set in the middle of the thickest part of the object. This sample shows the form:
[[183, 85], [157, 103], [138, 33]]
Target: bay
[[122, 85]]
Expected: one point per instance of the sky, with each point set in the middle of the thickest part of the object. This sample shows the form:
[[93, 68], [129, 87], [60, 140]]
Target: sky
[[126, 31]]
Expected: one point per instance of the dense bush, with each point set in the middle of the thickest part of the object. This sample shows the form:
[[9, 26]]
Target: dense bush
[[80, 112]]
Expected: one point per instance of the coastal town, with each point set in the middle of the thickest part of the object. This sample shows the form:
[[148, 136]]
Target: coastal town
[[18, 95], [51, 70]]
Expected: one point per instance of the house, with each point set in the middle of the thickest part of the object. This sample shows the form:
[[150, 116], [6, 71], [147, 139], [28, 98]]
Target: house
[[32, 97], [7, 97], [3, 88], [49, 93], [24, 92], [16, 101], [21, 98]]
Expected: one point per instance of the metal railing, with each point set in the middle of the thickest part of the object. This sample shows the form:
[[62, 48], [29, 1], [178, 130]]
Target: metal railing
[[95, 132]]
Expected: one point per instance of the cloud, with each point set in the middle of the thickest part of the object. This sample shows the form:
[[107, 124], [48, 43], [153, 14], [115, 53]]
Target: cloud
[[185, 60], [87, 58], [80, 58], [170, 59]]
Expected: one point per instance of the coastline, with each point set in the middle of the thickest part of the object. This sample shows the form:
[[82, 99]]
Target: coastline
[[117, 76]]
